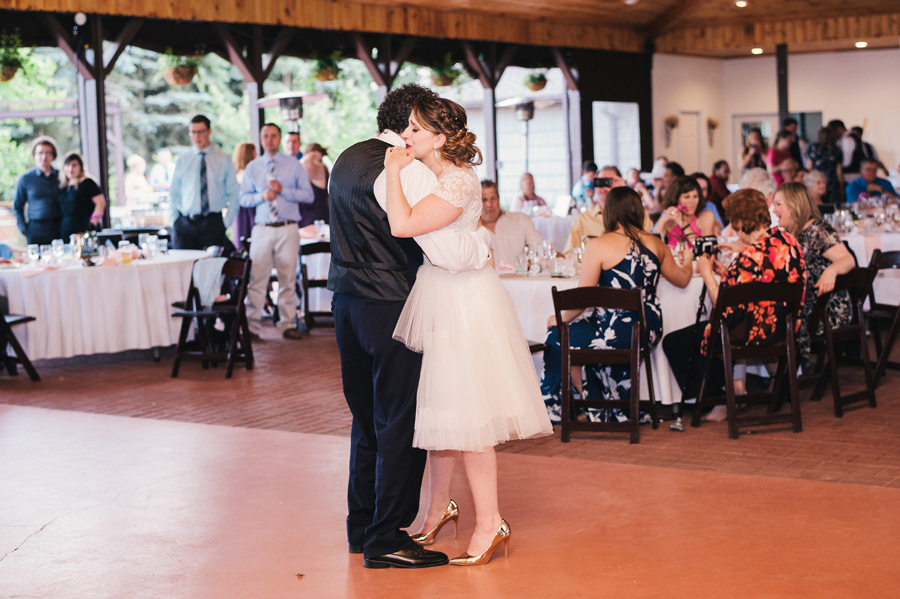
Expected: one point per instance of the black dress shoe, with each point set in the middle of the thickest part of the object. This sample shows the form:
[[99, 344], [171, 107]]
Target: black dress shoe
[[411, 556], [355, 548]]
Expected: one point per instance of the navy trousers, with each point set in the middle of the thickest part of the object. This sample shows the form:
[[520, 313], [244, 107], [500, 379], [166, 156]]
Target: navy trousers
[[200, 232], [380, 378], [43, 231]]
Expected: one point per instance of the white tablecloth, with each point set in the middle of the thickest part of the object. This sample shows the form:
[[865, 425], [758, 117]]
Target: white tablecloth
[[101, 309], [887, 282], [533, 302], [554, 228], [317, 266]]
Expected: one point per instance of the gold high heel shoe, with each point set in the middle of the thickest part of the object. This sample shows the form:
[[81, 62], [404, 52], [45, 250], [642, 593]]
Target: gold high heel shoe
[[427, 538], [502, 536]]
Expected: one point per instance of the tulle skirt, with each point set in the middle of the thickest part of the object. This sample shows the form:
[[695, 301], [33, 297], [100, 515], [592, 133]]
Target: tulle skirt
[[478, 385]]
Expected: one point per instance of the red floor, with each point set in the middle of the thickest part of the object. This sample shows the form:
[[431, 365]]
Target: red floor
[[171, 503]]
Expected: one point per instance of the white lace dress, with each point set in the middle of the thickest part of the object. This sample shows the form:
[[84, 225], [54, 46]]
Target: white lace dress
[[478, 385]]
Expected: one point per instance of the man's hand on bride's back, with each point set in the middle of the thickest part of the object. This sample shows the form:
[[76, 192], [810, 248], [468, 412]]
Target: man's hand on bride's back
[[398, 157]]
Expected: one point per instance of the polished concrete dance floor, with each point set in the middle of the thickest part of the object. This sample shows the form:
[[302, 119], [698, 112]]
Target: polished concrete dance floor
[[97, 505]]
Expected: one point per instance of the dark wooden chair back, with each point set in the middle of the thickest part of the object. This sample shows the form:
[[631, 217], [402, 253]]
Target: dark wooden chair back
[[582, 298], [8, 338], [882, 314]]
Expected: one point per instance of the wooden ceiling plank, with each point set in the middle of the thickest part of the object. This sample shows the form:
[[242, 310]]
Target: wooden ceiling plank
[[668, 18]]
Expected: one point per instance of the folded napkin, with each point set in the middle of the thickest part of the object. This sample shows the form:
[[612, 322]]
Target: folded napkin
[[505, 268], [208, 279], [36, 270]]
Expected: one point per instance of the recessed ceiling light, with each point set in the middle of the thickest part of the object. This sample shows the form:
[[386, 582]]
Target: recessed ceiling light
[[631, 2], [756, 51], [741, 3], [861, 44]]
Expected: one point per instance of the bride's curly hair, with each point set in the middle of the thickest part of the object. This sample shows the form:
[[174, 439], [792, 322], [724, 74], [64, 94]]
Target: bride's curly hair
[[442, 116]]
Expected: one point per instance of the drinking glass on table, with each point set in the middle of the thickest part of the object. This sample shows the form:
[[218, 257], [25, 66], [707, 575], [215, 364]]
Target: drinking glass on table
[[152, 246], [46, 254], [162, 246], [125, 251], [56, 248], [34, 252], [320, 228], [143, 239]]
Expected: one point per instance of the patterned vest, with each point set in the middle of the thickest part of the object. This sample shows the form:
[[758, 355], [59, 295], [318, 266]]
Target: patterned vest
[[366, 260]]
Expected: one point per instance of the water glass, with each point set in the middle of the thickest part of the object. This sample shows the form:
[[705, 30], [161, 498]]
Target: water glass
[[56, 248], [143, 239], [521, 264], [320, 228], [162, 246], [152, 246], [34, 252]]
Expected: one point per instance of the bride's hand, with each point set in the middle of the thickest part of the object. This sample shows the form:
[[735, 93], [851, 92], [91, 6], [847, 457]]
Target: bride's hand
[[399, 157]]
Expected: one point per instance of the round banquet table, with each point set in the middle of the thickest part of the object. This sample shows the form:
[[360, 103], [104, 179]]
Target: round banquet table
[[533, 302], [554, 228], [887, 283], [317, 266], [102, 309]]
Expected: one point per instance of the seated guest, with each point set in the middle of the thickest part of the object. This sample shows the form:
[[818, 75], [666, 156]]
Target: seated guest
[[800, 176], [683, 217], [318, 177], [80, 199], [583, 190], [760, 180], [590, 223], [673, 171], [869, 184], [633, 180], [625, 257], [770, 255], [816, 184], [703, 181], [528, 198], [825, 254], [718, 186], [510, 231], [778, 153], [788, 171]]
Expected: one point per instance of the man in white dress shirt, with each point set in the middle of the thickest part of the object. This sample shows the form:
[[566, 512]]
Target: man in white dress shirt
[[512, 231]]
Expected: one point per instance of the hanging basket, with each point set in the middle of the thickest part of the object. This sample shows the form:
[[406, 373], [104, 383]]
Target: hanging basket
[[326, 75], [536, 85], [7, 73], [442, 80], [179, 76]]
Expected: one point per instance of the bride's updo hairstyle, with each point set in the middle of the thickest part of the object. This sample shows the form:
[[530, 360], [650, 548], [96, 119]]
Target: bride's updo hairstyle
[[442, 116]]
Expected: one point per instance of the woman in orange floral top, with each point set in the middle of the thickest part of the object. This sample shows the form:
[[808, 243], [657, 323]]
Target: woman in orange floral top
[[769, 255]]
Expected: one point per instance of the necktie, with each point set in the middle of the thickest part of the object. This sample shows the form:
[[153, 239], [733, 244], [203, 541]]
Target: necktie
[[204, 188], [273, 205]]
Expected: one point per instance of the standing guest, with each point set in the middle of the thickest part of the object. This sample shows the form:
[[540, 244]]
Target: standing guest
[[625, 257], [244, 153], [778, 153], [824, 156], [684, 218], [703, 181], [846, 146], [292, 145], [137, 188], [528, 198], [869, 183], [318, 177], [583, 190], [511, 231], [817, 184], [275, 185], [755, 150], [672, 171], [203, 187], [36, 203], [798, 144], [718, 186], [590, 223], [866, 150], [80, 200], [826, 257], [656, 177], [162, 172], [633, 180]]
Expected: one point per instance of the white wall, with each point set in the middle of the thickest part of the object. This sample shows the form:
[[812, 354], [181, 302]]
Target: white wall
[[860, 88]]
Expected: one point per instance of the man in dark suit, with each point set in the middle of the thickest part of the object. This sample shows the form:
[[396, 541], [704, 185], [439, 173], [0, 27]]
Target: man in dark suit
[[371, 275]]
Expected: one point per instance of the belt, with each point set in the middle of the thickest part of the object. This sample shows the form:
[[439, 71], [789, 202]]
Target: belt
[[281, 223], [201, 216]]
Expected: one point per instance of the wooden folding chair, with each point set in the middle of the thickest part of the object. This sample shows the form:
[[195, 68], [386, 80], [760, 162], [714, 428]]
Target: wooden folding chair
[[8, 340], [858, 283], [307, 283], [231, 312], [582, 298], [791, 295], [879, 315]]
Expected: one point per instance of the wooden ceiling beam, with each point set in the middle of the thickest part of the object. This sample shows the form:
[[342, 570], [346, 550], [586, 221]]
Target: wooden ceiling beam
[[121, 42], [236, 56], [65, 42], [667, 19]]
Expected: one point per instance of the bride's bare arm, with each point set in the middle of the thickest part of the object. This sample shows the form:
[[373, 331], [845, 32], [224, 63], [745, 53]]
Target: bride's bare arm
[[430, 214]]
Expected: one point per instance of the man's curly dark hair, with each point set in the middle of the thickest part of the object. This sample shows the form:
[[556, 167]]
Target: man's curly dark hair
[[393, 114]]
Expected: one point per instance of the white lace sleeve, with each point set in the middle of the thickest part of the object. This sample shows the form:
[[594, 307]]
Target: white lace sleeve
[[457, 188]]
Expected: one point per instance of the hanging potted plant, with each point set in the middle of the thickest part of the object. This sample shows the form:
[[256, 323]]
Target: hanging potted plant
[[671, 123], [179, 70], [445, 71], [11, 59], [536, 81], [327, 67]]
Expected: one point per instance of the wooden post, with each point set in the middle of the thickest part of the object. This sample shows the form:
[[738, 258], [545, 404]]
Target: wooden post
[[781, 56], [572, 110]]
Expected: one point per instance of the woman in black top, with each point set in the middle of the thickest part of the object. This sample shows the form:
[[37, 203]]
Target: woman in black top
[[80, 199]]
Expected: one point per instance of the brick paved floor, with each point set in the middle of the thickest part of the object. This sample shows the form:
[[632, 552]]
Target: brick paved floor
[[296, 386]]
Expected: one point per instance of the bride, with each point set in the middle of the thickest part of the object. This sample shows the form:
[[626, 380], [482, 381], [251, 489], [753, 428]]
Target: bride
[[478, 387]]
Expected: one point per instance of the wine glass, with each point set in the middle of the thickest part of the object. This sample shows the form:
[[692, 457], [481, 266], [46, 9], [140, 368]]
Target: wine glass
[[56, 248], [34, 252], [46, 254]]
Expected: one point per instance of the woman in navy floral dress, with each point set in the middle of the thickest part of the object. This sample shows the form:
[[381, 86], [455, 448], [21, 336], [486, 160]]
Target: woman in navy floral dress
[[625, 257]]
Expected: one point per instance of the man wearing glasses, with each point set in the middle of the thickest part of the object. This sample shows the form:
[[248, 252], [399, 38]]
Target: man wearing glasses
[[36, 203], [204, 186]]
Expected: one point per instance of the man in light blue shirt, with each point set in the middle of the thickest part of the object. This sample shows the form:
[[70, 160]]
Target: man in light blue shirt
[[583, 190], [276, 185], [203, 186], [869, 183]]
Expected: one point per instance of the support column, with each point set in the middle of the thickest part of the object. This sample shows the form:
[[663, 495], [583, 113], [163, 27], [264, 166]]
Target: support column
[[489, 70], [572, 110], [781, 56]]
